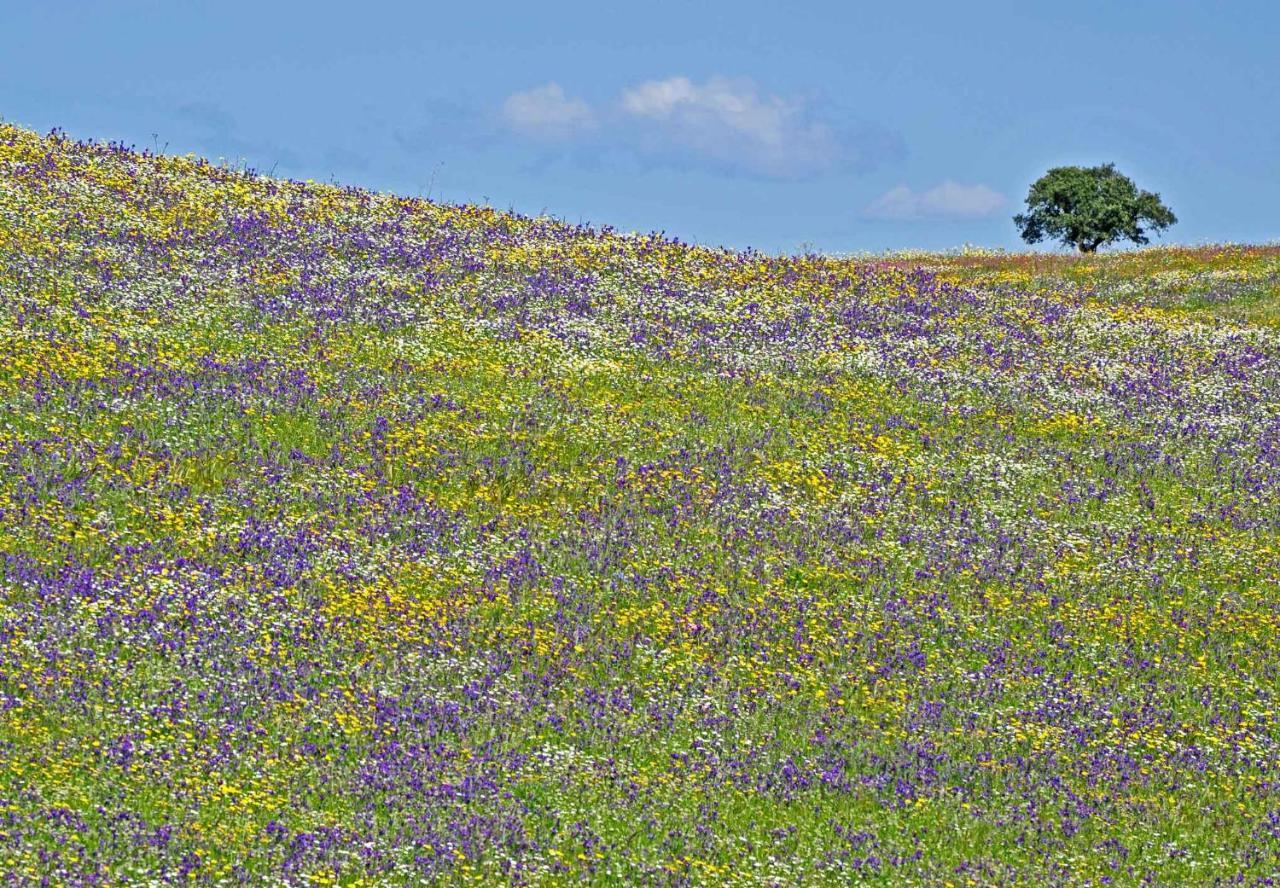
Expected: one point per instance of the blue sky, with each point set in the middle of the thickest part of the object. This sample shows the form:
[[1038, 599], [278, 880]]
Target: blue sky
[[833, 126]]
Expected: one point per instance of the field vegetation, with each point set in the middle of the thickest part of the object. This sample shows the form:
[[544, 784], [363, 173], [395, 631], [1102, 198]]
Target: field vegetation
[[354, 539]]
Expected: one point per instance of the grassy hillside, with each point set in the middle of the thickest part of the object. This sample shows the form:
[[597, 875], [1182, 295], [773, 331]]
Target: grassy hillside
[[346, 538]]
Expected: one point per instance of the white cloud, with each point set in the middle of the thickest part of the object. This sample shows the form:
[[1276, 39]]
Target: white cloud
[[728, 124], [545, 112], [658, 98], [731, 122], [950, 200]]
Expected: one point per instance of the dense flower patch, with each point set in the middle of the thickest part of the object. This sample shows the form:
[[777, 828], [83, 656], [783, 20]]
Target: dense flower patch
[[346, 538]]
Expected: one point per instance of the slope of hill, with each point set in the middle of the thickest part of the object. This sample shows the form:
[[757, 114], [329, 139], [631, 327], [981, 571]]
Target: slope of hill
[[346, 538]]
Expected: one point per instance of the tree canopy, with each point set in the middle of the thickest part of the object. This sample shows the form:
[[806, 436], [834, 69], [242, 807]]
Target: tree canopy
[[1091, 207]]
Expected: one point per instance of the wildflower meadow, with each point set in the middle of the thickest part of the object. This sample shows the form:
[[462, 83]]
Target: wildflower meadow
[[351, 539]]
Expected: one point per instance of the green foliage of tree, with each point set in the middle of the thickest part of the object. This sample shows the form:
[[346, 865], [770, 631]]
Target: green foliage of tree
[[1090, 207]]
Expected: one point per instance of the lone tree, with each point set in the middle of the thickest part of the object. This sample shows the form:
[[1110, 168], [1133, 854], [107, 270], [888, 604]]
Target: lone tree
[[1090, 207]]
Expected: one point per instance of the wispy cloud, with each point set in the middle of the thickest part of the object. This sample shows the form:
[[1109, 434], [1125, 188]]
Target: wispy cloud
[[950, 200], [725, 123], [545, 112], [446, 123], [731, 122]]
